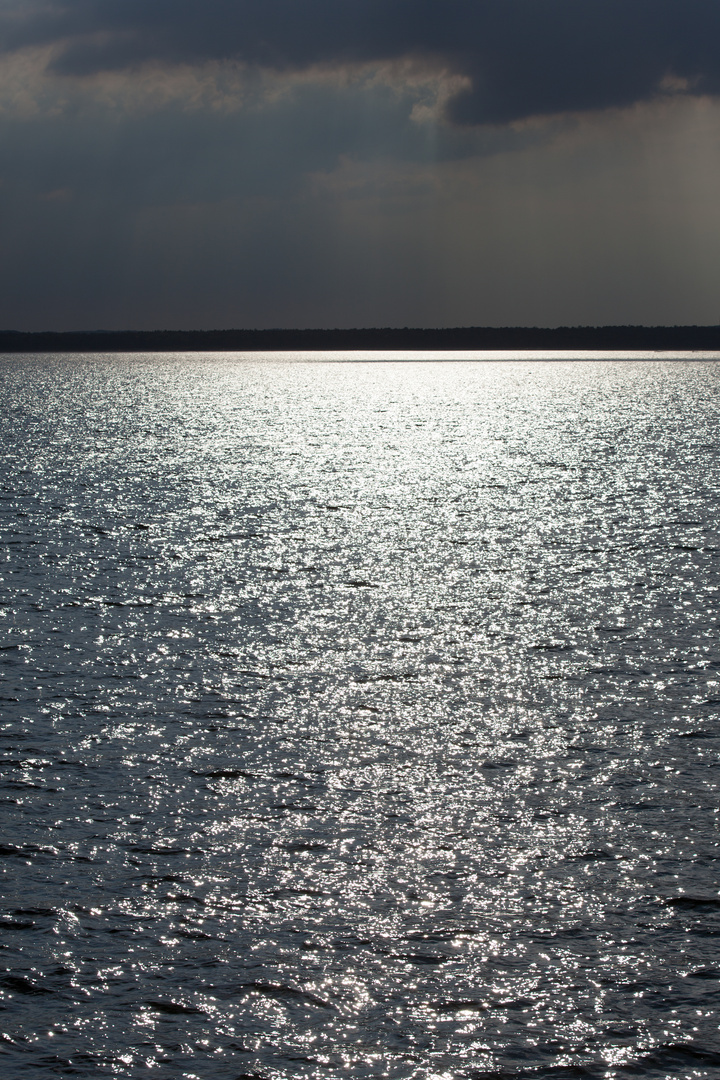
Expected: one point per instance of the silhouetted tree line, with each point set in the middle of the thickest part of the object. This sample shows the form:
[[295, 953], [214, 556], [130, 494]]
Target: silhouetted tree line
[[470, 337]]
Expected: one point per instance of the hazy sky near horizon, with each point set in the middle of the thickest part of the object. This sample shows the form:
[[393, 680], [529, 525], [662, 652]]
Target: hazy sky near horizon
[[241, 163]]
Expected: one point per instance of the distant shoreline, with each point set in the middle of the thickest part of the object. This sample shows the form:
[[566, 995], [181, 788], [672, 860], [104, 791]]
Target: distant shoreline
[[471, 338]]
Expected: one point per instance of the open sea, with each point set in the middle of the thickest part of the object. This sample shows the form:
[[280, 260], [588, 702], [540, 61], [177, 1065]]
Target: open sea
[[360, 717]]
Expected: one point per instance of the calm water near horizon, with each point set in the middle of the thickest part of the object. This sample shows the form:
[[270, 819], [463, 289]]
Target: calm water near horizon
[[360, 718]]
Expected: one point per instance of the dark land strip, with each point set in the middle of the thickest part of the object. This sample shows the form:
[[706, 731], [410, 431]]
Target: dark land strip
[[684, 338]]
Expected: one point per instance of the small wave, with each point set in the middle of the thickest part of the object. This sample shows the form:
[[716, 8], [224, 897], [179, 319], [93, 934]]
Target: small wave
[[281, 992], [172, 1008], [692, 903], [464, 1005], [20, 985], [680, 1054], [227, 774], [592, 855]]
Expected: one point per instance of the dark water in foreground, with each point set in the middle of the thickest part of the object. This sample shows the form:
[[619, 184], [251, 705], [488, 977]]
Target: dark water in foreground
[[359, 720]]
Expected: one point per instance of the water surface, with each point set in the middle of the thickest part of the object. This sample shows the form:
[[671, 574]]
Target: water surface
[[359, 719]]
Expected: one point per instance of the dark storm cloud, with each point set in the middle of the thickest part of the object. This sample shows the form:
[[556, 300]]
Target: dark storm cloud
[[523, 57]]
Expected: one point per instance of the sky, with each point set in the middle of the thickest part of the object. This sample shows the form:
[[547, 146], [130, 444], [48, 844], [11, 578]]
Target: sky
[[200, 164]]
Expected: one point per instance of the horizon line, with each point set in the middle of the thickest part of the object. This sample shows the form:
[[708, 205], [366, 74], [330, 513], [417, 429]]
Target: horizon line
[[517, 327]]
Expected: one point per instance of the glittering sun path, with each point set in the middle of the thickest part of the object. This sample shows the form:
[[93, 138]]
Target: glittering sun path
[[359, 719]]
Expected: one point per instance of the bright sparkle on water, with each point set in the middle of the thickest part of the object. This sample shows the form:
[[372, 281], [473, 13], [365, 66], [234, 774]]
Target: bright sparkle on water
[[359, 719]]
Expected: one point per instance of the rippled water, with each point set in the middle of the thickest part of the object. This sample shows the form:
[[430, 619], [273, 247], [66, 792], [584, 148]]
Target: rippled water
[[359, 720]]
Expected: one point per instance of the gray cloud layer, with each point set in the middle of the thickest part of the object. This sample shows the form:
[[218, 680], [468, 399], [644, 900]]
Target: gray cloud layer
[[523, 57], [280, 163]]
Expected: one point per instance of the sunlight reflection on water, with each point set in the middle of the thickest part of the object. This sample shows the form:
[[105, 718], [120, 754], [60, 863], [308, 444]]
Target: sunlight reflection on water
[[359, 719]]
